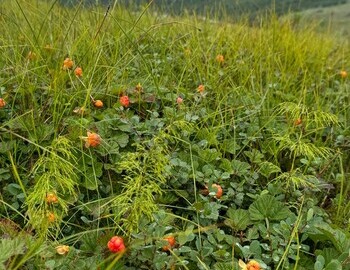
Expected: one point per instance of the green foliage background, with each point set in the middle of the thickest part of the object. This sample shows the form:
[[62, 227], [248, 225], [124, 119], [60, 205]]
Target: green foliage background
[[271, 127]]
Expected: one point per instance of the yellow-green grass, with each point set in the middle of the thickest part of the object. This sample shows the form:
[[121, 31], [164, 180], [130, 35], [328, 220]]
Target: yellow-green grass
[[273, 72]]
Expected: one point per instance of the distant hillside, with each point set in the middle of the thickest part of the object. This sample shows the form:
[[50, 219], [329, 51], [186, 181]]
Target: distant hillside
[[231, 7], [334, 18]]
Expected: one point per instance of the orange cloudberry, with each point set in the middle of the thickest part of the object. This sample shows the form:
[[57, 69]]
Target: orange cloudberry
[[220, 58], [201, 88], [92, 139], [124, 101], [98, 103], [343, 74], [2, 103], [78, 72], [68, 63]]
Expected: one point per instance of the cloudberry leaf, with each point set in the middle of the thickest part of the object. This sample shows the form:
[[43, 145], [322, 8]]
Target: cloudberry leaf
[[267, 206]]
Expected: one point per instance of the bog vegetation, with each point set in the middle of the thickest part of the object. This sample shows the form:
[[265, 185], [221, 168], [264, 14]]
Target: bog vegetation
[[217, 7], [136, 140]]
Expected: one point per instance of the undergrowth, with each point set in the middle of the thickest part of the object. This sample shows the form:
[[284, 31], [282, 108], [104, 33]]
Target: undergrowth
[[231, 139]]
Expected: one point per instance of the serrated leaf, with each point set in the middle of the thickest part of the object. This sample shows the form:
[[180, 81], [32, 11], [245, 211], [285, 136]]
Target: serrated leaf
[[334, 264], [230, 146], [207, 249], [339, 239], [209, 155], [9, 248], [125, 127], [254, 156], [208, 135], [211, 211], [122, 139], [239, 167], [7, 146], [267, 206], [112, 147], [226, 166], [224, 266], [238, 219], [90, 183], [186, 236], [267, 168]]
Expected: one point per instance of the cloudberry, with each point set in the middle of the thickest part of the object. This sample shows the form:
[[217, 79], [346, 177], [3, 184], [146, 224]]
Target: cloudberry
[[124, 101], [171, 240], [78, 72], [67, 63], [93, 139], [116, 244]]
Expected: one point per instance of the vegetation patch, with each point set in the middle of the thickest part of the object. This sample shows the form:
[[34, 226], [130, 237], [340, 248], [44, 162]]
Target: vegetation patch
[[133, 140]]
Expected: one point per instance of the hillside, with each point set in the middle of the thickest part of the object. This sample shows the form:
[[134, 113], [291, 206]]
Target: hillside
[[215, 7], [335, 19]]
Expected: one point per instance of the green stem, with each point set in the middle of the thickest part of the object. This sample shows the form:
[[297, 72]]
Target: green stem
[[16, 174]]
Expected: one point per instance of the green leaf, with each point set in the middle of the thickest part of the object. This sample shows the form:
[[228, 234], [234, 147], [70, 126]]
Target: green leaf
[[111, 147], [328, 254], [254, 156], [255, 248], [252, 233], [5, 174], [339, 239], [9, 248], [267, 206], [221, 254], [125, 127], [319, 262], [50, 264], [13, 189], [238, 219], [184, 249], [187, 236], [267, 168], [239, 167], [211, 210], [208, 135], [230, 146], [226, 166], [207, 249], [310, 214], [224, 266], [334, 264], [209, 155], [7, 146], [122, 139], [344, 259], [90, 182]]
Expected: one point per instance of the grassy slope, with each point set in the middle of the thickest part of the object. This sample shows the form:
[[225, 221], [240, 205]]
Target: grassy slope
[[263, 67], [335, 19], [170, 56], [232, 8]]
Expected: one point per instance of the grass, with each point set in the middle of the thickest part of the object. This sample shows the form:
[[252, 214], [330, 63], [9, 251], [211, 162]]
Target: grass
[[334, 19], [262, 110]]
